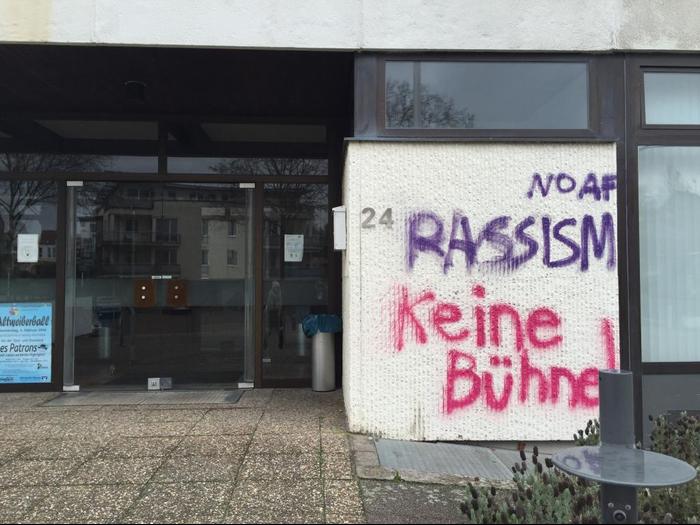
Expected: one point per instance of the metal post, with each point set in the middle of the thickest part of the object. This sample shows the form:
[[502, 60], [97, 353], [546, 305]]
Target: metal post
[[618, 503]]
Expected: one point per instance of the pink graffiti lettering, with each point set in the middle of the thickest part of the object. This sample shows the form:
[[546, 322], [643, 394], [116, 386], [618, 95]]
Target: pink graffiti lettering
[[541, 324], [493, 380]]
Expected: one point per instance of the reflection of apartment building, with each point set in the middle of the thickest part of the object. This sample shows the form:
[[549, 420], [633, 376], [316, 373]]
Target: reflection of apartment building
[[47, 246], [165, 230]]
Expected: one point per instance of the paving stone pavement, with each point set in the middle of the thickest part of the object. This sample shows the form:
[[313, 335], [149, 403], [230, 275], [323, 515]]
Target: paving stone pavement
[[279, 456]]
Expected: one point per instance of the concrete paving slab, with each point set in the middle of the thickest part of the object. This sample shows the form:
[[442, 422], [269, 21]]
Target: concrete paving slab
[[398, 502], [442, 458], [180, 503], [141, 463], [262, 501]]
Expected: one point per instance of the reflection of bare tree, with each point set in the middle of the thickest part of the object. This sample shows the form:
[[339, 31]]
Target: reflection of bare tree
[[436, 111], [271, 167], [290, 207], [23, 197], [49, 163]]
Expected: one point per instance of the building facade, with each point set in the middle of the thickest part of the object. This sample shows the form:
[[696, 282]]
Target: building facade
[[520, 187]]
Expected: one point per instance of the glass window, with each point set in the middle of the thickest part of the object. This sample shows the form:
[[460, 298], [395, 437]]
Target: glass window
[[233, 132], [28, 236], [294, 285], [232, 258], [669, 252], [205, 257], [248, 167], [672, 98], [231, 228], [486, 95], [75, 163]]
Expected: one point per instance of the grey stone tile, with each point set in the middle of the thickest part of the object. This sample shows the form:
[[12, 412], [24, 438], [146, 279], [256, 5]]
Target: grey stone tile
[[139, 447], [281, 466], [279, 425], [62, 449], [11, 449], [255, 398], [40, 472], [220, 445], [335, 442], [215, 422], [366, 459], [181, 503], [169, 415], [337, 466], [198, 468], [102, 471], [256, 501], [362, 443], [84, 504], [343, 502], [16, 502], [297, 443], [334, 424], [172, 429], [392, 502]]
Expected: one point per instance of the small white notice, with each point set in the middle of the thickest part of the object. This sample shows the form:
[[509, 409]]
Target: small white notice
[[27, 248], [293, 248]]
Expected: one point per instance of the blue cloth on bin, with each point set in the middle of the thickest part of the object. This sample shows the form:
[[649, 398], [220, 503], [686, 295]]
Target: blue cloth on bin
[[314, 323]]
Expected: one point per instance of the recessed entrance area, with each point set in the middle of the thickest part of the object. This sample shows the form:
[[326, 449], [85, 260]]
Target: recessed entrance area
[[181, 199], [161, 282]]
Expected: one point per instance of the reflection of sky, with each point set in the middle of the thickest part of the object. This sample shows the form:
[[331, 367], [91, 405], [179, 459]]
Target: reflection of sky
[[672, 98], [129, 164], [669, 249], [508, 95], [513, 95]]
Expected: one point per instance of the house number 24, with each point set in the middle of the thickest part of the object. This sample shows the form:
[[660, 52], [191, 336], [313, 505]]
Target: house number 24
[[369, 218]]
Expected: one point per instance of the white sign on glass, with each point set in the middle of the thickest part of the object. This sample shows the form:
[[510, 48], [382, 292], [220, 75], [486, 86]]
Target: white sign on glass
[[293, 248], [27, 248]]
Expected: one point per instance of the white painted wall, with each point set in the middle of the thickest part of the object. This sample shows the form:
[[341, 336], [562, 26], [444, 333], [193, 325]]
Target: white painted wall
[[402, 391], [494, 25]]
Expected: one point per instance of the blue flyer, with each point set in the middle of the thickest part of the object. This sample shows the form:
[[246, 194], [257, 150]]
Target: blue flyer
[[25, 342]]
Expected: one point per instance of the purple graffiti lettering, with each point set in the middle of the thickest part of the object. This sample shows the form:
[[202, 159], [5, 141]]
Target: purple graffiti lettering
[[569, 180], [537, 181], [563, 239], [491, 233], [514, 248], [609, 184], [607, 237], [590, 185], [421, 243], [523, 238], [465, 244]]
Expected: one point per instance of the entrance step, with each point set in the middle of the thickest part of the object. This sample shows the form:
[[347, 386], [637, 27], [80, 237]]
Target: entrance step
[[180, 397], [442, 459]]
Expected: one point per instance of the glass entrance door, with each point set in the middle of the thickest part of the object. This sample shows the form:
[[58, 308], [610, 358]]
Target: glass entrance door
[[160, 283]]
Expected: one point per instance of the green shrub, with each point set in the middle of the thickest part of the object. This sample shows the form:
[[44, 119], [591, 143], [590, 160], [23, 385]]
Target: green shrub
[[544, 494], [680, 439]]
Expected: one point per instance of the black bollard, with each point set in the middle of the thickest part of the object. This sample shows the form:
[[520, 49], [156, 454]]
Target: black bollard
[[618, 502]]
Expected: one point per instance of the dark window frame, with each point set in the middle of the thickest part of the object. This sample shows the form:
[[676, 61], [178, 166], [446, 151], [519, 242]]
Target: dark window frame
[[370, 111], [638, 133], [641, 134]]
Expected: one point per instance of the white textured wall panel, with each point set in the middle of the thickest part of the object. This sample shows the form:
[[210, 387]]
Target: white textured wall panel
[[418, 363], [467, 25]]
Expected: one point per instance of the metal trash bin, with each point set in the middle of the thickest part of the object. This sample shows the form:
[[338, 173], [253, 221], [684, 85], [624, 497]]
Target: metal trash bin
[[323, 362], [322, 330]]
